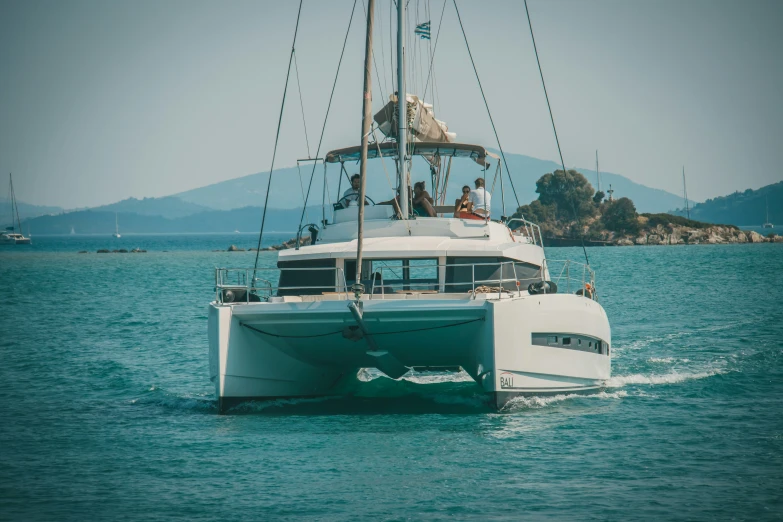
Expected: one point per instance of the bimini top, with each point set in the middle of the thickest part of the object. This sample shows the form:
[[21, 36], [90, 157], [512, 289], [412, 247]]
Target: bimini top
[[389, 149]]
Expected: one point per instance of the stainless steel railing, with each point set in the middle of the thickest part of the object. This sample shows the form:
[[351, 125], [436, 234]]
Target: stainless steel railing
[[527, 229], [573, 275], [513, 278]]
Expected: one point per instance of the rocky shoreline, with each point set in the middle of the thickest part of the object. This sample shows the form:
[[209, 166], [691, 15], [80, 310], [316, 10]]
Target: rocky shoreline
[[680, 235]]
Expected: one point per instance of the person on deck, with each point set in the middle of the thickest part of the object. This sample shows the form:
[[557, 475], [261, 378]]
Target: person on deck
[[461, 204], [352, 194], [422, 202], [478, 202]]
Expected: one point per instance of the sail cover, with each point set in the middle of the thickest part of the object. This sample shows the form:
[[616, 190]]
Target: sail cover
[[421, 120]]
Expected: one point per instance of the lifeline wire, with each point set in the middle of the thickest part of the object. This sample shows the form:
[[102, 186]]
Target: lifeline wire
[[475, 71], [551, 117], [277, 137], [326, 118]]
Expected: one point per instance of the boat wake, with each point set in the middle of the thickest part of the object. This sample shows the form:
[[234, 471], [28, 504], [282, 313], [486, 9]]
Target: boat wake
[[667, 378], [418, 392]]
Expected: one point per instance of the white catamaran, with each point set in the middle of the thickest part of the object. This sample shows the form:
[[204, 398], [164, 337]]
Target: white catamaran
[[383, 287], [10, 236]]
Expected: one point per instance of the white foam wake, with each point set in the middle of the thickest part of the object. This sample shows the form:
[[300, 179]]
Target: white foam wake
[[542, 401], [666, 378]]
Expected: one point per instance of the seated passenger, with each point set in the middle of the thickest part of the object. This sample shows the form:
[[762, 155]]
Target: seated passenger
[[478, 202], [461, 204], [395, 203], [422, 202], [352, 194]]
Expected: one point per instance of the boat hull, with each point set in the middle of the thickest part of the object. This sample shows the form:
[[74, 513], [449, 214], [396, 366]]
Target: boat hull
[[306, 349]]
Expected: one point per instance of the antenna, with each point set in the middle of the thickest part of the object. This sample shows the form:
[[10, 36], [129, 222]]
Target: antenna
[[685, 194], [610, 192]]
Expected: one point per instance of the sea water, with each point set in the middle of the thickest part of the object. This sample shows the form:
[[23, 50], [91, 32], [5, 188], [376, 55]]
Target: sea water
[[106, 409]]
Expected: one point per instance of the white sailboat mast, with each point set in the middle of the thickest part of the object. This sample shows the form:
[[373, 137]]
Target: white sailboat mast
[[402, 110]]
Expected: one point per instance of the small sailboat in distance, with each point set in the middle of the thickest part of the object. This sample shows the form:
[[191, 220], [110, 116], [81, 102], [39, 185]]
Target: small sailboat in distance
[[767, 224], [116, 227], [10, 236]]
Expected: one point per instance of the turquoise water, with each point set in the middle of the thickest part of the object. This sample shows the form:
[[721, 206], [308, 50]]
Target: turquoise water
[[107, 410]]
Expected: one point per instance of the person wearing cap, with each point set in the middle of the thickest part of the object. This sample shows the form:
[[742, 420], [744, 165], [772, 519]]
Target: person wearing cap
[[479, 201]]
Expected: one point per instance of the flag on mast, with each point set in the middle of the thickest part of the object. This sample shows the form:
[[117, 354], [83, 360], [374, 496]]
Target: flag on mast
[[423, 30]]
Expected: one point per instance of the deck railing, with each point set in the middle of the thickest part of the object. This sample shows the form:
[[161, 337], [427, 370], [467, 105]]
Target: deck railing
[[233, 285], [573, 276], [527, 229]]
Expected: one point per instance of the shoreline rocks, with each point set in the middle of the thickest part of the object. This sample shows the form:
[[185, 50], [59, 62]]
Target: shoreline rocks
[[680, 235]]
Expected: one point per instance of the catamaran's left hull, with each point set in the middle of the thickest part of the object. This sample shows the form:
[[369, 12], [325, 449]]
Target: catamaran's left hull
[[306, 349]]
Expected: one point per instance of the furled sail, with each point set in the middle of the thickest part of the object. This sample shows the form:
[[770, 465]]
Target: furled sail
[[421, 121]]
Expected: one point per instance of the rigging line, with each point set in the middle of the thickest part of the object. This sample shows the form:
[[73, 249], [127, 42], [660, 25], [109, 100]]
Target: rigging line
[[374, 64], [554, 128], [383, 49], [277, 138], [440, 326], [328, 108], [388, 178], [486, 104], [301, 104], [432, 60], [391, 46], [301, 186]]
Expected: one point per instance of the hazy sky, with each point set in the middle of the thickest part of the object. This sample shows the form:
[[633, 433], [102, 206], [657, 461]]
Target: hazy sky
[[101, 100]]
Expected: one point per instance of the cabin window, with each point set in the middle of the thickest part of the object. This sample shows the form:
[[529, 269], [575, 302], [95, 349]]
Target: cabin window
[[488, 271], [566, 341], [551, 340], [295, 274], [396, 274]]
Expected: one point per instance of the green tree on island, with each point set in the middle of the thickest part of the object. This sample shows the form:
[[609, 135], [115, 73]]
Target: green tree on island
[[620, 216], [569, 192]]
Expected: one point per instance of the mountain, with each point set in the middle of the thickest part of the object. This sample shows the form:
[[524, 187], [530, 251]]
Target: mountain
[[741, 208], [246, 219], [167, 207], [287, 191], [26, 210]]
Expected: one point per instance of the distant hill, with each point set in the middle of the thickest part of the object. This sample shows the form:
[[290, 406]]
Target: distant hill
[[168, 207], [247, 219], [287, 192], [26, 210], [741, 208]]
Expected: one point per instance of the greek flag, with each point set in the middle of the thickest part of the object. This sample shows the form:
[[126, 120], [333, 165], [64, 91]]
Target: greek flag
[[423, 30]]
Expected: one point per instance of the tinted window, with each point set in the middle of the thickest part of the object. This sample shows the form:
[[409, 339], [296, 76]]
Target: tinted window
[[319, 280], [487, 272], [396, 274]]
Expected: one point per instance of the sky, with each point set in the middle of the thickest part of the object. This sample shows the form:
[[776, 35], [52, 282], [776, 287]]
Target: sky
[[101, 100]]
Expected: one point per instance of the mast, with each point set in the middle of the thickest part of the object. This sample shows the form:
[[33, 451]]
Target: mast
[[767, 204], [366, 123], [402, 110], [685, 194], [14, 206], [597, 172]]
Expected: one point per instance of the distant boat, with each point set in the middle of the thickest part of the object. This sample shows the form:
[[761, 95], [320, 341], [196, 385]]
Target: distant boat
[[73, 232], [116, 227], [236, 231], [767, 224], [10, 236]]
